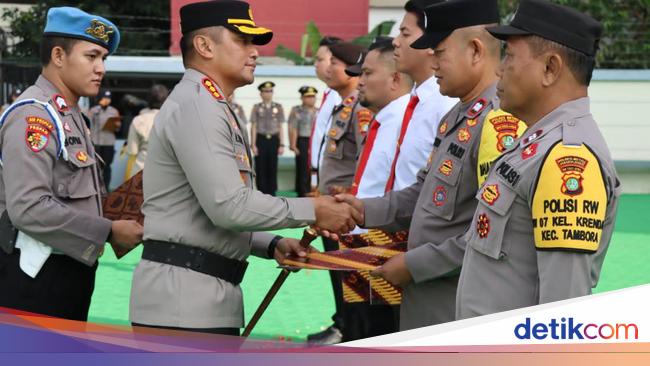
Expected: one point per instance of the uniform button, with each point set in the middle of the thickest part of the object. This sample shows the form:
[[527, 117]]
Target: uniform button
[[503, 255]]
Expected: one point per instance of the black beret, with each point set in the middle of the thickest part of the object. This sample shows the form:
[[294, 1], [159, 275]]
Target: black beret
[[379, 42], [554, 22], [444, 18], [237, 16], [419, 5], [348, 52], [266, 85]]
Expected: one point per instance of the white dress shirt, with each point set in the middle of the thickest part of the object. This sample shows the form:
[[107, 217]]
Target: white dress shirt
[[421, 132], [375, 175], [320, 127]]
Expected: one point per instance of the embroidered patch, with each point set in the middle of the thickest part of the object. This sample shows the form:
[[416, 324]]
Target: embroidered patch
[[477, 108], [345, 112], [483, 226], [490, 194], [529, 151], [100, 30], [33, 120], [349, 100], [472, 122], [211, 86], [534, 136], [439, 196], [364, 117], [72, 141], [506, 127], [60, 103], [464, 135], [446, 167], [37, 137], [443, 128], [66, 127], [332, 132], [572, 167], [81, 156]]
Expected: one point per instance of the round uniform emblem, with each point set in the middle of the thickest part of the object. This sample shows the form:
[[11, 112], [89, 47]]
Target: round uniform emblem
[[440, 196], [572, 184], [507, 141], [483, 226]]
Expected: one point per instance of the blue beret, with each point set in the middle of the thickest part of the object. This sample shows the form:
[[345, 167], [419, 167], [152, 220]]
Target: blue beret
[[75, 23]]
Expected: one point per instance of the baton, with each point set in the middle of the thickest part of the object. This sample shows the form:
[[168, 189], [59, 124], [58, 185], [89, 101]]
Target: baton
[[307, 237]]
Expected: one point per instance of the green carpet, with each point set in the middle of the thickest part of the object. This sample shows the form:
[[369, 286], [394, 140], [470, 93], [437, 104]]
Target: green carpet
[[304, 305]]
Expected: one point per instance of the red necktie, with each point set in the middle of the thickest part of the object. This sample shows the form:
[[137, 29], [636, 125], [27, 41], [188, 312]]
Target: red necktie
[[405, 124], [365, 154], [313, 128]]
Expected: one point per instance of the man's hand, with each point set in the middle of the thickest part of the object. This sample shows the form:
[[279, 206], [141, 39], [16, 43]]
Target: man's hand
[[291, 246], [255, 152], [126, 233], [354, 202], [280, 150], [295, 150], [335, 217], [394, 271]]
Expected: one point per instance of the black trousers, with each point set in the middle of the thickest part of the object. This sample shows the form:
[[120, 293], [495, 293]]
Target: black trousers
[[62, 288], [224, 331], [303, 180], [107, 153], [266, 163], [363, 320], [337, 287]]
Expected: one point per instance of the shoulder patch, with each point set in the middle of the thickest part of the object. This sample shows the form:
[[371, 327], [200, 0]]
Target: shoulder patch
[[477, 108], [570, 200], [211, 86], [37, 137], [40, 121], [500, 131]]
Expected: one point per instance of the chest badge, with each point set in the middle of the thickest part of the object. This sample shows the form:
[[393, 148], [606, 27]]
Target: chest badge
[[483, 226], [439, 196], [490, 194], [464, 135], [81, 156], [529, 151], [446, 167]]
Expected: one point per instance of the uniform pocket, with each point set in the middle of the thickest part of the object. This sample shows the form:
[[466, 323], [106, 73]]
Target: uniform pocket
[[446, 175], [491, 218], [77, 181]]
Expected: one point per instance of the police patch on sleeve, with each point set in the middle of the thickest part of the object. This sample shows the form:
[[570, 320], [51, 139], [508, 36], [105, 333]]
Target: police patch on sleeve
[[500, 131], [570, 201], [37, 134]]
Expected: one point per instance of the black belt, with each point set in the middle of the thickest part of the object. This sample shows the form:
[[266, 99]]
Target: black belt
[[196, 259], [268, 136]]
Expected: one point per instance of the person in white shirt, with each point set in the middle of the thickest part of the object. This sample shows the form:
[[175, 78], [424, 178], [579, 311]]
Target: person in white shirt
[[385, 92], [329, 101], [426, 107]]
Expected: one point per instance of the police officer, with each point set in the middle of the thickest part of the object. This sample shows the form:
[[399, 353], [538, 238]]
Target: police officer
[[547, 209], [300, 125], [267, 138], [103, 139], [49, 180], [438, 208], [200, 204]]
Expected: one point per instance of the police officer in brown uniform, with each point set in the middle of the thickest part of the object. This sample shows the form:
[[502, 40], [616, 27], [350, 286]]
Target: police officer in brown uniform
[[49, 181], [301, 119], [547, 209], [438, 208], [267, 138], [203, 216]]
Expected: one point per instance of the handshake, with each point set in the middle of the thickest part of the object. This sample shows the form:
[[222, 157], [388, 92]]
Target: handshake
[[338, 214]]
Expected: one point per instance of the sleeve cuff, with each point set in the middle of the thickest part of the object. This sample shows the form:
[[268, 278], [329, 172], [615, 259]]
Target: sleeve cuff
[[260, 244]]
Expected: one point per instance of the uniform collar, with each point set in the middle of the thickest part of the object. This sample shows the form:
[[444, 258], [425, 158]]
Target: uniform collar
[[475, 107], [426, 90], [208, 84], [565, 113], [393, 111]]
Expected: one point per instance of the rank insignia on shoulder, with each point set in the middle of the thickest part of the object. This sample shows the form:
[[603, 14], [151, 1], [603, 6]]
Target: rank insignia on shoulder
[[464, 135], [477, 108], [490, 194], [534, 136], [81, 156], [37, 137], [472, 122], [529, 151], [443, 128], [483, 226], [211, 86], [60, 103], [439, 196]]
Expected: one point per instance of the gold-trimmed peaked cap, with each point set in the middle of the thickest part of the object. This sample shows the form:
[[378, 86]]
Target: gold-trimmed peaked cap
[[237, 16]]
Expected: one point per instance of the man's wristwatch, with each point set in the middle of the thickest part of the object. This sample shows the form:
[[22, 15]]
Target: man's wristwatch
[[270, 251]]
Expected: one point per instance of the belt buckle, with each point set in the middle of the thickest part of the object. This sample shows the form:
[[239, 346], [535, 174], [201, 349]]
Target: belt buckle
[[268, 136]]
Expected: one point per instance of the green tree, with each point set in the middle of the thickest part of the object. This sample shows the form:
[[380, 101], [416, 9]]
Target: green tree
[[625, 43], [144, 26]]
